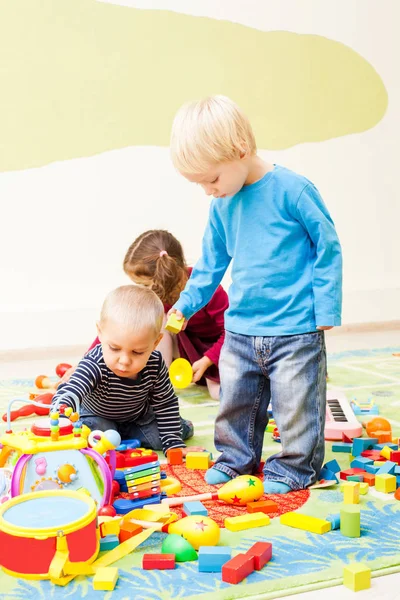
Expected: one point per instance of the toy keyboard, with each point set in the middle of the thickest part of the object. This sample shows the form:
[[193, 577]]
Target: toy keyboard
[[340, 417]]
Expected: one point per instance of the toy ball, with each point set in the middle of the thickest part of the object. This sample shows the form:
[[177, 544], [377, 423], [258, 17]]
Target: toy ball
[[397, 494], [107, 511], [115, 490], [181, 373], [62, 368], [241, 490], [42, 382], [176, 544], [197, 530], [378, 424]]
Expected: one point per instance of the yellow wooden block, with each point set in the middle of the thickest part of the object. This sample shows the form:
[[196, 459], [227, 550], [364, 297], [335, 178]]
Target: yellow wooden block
[[105, 579], [385, 483], [351, 492], [385, 452], [198, 460], [173, 324], [247, 521], [351, 458], [112, 527], [364, 487], [379, 463], [79, 568], [305, 522], [356, 577]]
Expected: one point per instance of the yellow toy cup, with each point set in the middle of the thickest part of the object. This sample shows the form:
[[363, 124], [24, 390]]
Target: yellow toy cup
[[181, 373]]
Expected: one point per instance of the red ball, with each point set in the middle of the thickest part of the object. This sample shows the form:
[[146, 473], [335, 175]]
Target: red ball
[[62, 368], [115, 488], [107, 511]]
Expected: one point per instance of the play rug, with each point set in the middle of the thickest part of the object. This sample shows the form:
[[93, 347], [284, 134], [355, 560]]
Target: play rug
[[301, 561]]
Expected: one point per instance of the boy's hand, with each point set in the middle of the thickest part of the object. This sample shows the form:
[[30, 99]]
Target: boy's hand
[[67, 375], [179, 316], [193, 449], [325, 327], [199, 367]]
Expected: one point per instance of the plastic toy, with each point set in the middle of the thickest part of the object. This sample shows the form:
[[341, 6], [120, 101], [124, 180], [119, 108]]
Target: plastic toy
[[181, 373], [54, 455], [198, 531], [177, 545], [378, 424], [44, 400], [33, 525], [340, 418], [364, 408], [239, 491], [5, 484]]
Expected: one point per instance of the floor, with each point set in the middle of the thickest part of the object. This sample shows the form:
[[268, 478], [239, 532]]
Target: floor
[[382, 588]]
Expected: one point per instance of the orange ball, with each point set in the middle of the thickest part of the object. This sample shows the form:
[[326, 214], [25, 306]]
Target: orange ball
[[397, 494], [378, 424], [42, 382]]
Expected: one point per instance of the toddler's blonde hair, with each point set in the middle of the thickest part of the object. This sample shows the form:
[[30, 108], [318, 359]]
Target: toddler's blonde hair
[[135, 307], [210, 131]]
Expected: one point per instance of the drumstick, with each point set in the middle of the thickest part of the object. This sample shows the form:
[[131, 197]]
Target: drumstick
[[182, 499]]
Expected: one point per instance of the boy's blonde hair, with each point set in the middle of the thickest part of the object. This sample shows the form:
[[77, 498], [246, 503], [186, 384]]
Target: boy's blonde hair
[[210, 131], [134, 307]]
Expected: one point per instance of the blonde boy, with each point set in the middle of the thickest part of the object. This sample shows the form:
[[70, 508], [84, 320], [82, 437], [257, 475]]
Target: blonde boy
[[123, 383], [286, 290]]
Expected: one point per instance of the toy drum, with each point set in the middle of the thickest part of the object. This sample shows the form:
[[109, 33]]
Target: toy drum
[[30, 525]]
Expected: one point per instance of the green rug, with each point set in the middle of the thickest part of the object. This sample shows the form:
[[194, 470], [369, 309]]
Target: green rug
[[301, 561]]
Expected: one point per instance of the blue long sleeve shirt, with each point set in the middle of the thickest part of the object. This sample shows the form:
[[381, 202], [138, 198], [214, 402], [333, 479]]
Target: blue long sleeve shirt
[[286, 259]]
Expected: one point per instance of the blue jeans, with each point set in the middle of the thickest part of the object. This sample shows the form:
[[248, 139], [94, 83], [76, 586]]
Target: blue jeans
[[291, 372], [143, 429]]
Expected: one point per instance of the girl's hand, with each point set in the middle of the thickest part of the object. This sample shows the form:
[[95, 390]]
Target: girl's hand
[[193, 449], [199, 367], [179, 316], [325, 327]]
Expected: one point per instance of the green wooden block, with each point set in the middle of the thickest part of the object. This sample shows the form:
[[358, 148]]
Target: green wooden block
[[350, 519]]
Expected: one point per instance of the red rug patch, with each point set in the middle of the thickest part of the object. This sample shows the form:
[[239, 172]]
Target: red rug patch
[[193, 483]]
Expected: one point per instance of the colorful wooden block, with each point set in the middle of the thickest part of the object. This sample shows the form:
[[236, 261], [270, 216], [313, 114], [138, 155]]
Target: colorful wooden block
[[110, 526], [333, 466], [212, 558], [175, 456], [383, 445], [264, 506], [364, 488], [194, 508], [356, 577], [395, 456], [388, 467], [360, 462], [350, 518], [382, 436], [173, 324], [351, 492], [361, 444], [198, 460], [327, 475], [236, 569], [342, 447], [334, 520], [105, 579], [372, 469], [305, 522], [108, 542], [128, 530], [158, 561], [355, 471], [248, 521], [385, 483], [386, 452], [357, 478], [369, 478], [262, 553]]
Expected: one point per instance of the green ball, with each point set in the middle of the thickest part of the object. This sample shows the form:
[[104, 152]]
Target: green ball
[[176, 544]]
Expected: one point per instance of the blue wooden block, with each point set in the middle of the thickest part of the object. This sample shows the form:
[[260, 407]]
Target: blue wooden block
[[381, 446], [360, 462], [212, 558], [342, 447], [108, 542], [372, 469], [333, 466], [194, 508], [361, 444], [328, 475], [120, 478], [397, 470], [397, 480], [389, 468], [334, 520], [359, 477]]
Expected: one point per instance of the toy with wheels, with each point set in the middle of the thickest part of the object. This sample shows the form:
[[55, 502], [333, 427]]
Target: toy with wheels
[[54, 455], [37, 527]]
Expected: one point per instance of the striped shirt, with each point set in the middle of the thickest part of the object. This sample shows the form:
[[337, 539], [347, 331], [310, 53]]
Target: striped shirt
[[102, 393]]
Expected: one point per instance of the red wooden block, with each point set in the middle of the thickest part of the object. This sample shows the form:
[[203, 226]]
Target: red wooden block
[[346, 439], [369, 478], [262, 553], [128, 530], [345, 474], [373, 455], [265, 506], [236, 569], [175, 456], [158, 561], [395, 456]]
